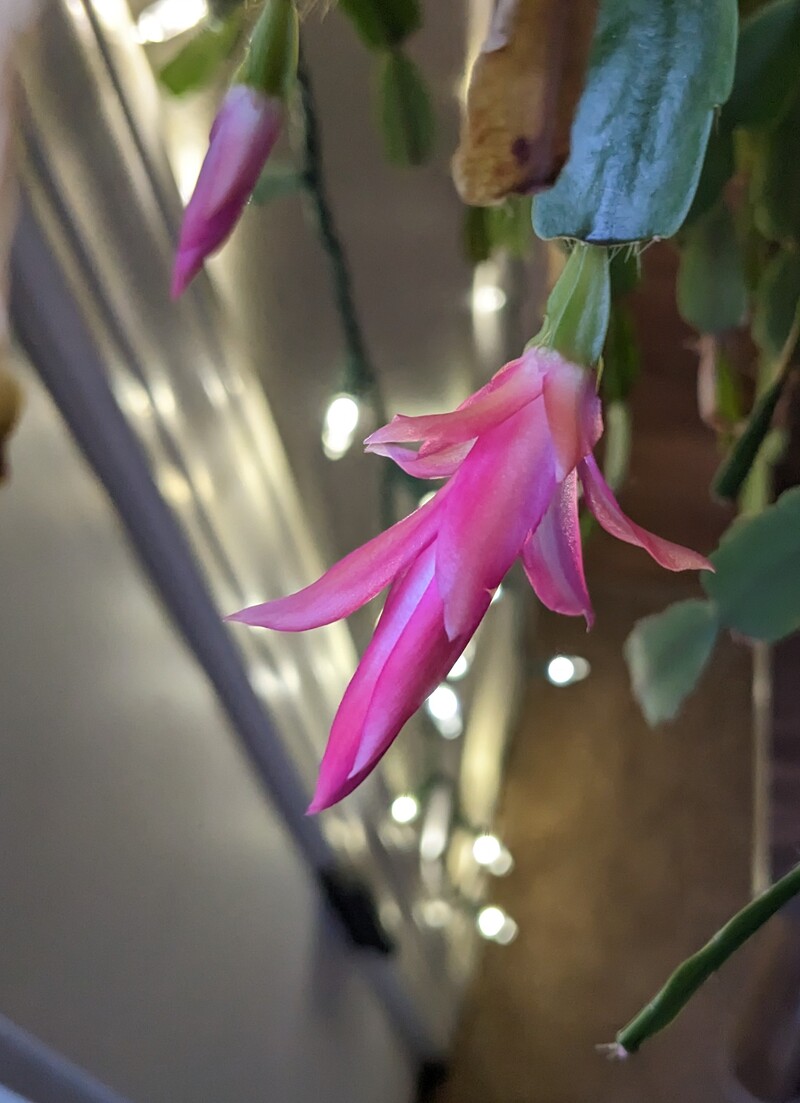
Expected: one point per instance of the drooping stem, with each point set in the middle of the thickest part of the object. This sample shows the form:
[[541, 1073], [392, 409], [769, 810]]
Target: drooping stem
[[689, 976], [736, 469], [359, 377]]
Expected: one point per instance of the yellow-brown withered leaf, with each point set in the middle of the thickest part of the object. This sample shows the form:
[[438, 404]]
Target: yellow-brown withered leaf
[[10, 409], [523, 93]]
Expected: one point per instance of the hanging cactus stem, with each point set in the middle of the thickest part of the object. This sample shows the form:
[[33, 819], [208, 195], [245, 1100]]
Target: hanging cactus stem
[[695, 971]]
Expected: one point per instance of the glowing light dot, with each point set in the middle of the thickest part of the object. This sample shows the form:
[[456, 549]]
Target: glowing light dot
[[405, 808], [486, 849], [488, 299], [560, 670], [491, 921], [496, 926], [565, 670], [443, 704], [341, 421]]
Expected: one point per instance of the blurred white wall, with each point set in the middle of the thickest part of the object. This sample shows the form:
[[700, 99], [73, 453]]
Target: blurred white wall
[[157, 925]]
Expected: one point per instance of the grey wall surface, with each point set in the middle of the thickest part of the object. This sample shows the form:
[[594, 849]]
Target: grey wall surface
[[156, 924]]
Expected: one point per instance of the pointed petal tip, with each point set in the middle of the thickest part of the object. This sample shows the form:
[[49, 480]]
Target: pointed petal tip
[[385, 434], [329, 791], [183, 273], [323, 798], [177, 287], [603, 504], [456, 619], [253, 617], [684, 559]]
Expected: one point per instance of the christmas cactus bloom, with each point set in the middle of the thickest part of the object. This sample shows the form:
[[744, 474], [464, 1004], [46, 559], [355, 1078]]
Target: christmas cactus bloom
[[244, 132], [514, 455]]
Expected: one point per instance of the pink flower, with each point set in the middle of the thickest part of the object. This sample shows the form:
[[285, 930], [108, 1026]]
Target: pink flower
[[514, 455], [245, 130]]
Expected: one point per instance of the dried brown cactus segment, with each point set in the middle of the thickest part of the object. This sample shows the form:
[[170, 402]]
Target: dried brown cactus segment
[[10, 410], [523, 93]]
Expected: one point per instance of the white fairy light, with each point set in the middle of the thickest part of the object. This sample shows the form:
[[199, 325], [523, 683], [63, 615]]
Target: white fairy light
[[459, 669], [405, 808], [489, 852], [486, 849], [488, 299], [341, 421], [444, 708], [565, 670], [495, 925], [560, 670], [490, 921], [166, 19], [443, 703]]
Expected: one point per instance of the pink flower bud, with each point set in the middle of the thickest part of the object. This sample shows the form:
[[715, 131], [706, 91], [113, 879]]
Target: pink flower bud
[[245, 130]]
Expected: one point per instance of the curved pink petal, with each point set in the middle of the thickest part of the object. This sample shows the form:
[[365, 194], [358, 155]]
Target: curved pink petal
[[497, 497], [244, 132], [601, 501], [515, 385], [346, 735], [419, 661], [354, 580], [573, 412], [438, 463], [553, 557]]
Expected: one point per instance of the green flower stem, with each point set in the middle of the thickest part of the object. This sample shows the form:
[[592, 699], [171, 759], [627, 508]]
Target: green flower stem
[[359, 377], [733, 474], [689, 976], [578, 309], [270, 63]]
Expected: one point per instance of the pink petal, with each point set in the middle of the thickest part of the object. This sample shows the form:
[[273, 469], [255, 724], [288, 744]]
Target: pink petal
[[601, 501], [438, 463], [573, 413], [244, 132], [419, 661], [346, 734], [497, 497], [352, 581], [515, 385], [553, 557]]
